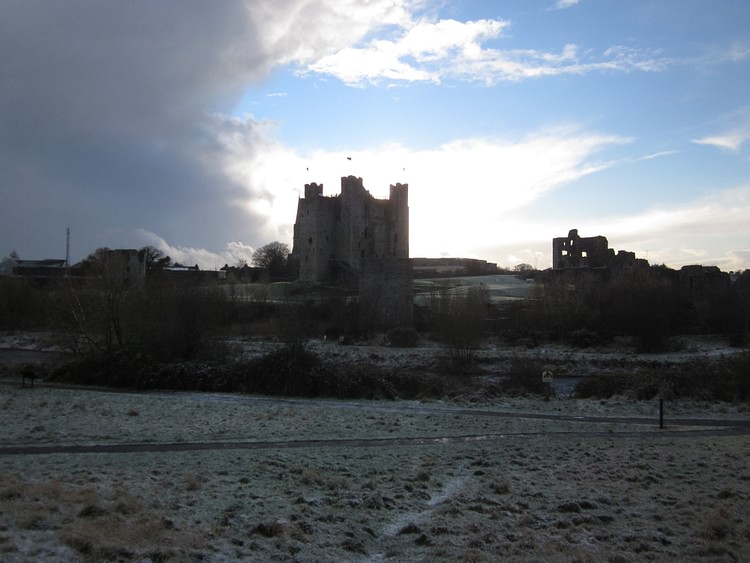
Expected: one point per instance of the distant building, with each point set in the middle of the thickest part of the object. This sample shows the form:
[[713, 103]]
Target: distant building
[[49, 268], [437, 267]]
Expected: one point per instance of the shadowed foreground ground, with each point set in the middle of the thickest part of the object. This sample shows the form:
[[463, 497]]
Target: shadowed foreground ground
[[367, 481]]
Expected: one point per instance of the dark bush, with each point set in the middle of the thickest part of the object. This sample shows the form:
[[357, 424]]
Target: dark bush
[[285, 372], [403, 337], [721, 380], [584, 338], [525, 377]]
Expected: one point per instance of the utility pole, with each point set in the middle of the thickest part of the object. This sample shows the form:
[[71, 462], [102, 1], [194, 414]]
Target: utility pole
[[67, 251]]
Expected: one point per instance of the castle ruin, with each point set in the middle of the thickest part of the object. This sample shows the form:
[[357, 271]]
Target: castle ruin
[[575, 251]]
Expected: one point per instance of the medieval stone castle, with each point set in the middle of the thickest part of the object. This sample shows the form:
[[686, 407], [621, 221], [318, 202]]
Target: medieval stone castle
[[334, 235], [356, 239]]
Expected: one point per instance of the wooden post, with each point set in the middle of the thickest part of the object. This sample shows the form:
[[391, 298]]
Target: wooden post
[[661, 412], [547, 381]]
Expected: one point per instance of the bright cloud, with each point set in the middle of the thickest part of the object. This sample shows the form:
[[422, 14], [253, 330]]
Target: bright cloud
[[424, 43], [701, 230], [562, 4], [233, 253], [428, 51], [732, 140], [736, 132]]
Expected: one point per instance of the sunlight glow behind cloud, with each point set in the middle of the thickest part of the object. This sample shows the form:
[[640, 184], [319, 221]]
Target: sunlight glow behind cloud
[[474, 182]]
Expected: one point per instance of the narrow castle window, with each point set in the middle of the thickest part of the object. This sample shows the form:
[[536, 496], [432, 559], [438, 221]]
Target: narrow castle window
[[309, 241]]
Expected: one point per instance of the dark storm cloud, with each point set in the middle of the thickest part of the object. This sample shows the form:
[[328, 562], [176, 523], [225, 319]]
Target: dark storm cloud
[[105, 119]]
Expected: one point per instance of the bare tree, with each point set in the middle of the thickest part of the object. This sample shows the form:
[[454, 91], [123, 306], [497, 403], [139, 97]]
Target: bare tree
[[97, 308], [154, 258], [459, 319], [273, 257], [270, 255]]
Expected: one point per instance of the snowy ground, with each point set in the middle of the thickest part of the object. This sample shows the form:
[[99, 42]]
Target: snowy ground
[[211, 477], [473, 486]]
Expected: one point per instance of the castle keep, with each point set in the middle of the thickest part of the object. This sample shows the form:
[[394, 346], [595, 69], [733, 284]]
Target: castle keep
[[358, 240], [333, 236]]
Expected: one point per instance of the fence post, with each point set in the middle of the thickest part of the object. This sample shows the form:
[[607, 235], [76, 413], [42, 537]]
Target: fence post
[[661, 412]]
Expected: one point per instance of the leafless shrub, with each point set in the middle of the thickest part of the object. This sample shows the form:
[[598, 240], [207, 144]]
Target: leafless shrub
[[459, 320]]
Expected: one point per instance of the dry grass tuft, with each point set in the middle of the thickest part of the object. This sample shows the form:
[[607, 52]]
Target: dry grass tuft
[[718, 526], [109, 525], [272, 529], [193, 482], [500, 487]]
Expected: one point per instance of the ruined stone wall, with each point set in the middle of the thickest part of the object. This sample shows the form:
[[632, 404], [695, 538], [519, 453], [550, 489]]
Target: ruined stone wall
[[574, 251]]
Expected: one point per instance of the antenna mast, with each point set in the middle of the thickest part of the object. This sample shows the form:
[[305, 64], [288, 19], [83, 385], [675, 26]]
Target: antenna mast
[[67, 250]]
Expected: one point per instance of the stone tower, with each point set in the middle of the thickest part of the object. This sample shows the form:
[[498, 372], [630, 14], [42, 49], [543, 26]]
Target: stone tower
[[333, 236]]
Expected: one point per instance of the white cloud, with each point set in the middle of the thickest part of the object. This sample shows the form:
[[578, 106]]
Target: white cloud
[[233, 252], [302, 31], [732, 140], [736, 132], [424, 43], [562, 4], [433, 51], [701, 230], [709, 231]]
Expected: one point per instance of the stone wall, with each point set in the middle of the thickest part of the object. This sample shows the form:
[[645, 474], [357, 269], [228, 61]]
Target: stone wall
[[574, 251]]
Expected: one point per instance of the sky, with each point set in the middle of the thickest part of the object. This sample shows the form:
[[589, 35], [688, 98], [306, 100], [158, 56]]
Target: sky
[[193, 126]]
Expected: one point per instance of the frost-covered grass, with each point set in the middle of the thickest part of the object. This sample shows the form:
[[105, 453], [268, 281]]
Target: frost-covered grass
[[535, 490]]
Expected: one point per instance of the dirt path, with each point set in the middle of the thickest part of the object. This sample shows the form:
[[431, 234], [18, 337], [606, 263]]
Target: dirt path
[[691, 427]]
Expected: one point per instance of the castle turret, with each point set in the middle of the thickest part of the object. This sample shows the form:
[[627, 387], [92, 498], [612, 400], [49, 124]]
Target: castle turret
[[313, 190]]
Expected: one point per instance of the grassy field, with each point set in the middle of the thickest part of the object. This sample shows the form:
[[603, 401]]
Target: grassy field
[[514, 488]]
